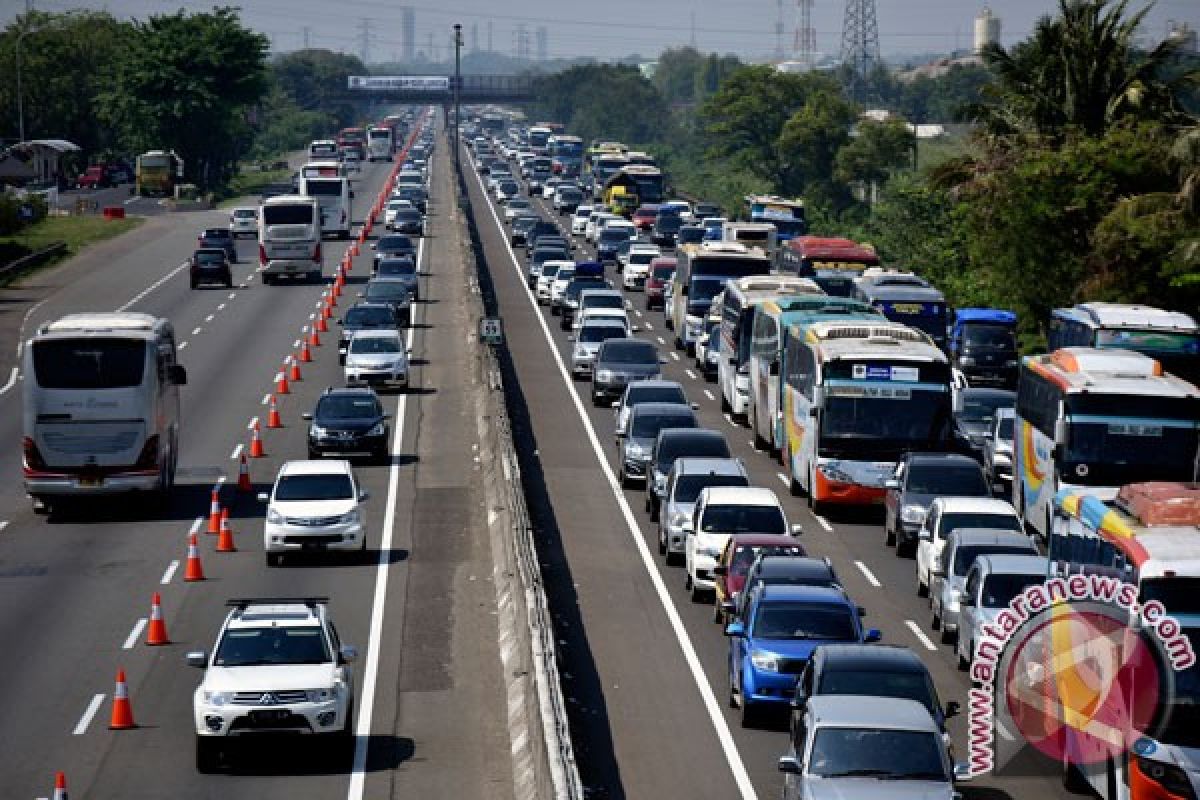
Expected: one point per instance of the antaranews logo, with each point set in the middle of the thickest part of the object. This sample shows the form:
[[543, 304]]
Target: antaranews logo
[[1075, 667]]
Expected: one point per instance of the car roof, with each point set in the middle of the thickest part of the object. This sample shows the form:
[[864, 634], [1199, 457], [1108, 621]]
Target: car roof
[[678, 409], [865, 711], [656, 383], [321, 467], [377, 333], [977, 505], [869, 658], [1006, 564], [699, 465], [954, 459], [989, 536], [740, 496], [277, 613], [802, 566], [691, 433], [803, 593]]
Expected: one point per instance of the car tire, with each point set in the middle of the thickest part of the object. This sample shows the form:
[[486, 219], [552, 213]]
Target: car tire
[[267, 279], [697, 594], [193, 284], [749, 714], [553, 310], [948, 637], [662, 542], [905, 549], [889, 537], [274, 559], [922, 588], [208, 754], [962, 662]]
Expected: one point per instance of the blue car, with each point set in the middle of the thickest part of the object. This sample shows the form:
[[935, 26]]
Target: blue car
[[772, 642]]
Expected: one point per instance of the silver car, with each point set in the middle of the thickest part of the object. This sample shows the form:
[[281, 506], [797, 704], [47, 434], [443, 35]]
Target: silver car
[[635, 446], [991, 584], [685, 480], [377, 358], [998, 451], [949, 574], [587, 341]]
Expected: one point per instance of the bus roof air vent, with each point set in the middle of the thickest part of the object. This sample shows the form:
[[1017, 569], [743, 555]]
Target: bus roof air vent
[[1115, 363]]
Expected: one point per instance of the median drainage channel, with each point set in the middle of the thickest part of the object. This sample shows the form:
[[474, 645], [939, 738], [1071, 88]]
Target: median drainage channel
[[542, 750]]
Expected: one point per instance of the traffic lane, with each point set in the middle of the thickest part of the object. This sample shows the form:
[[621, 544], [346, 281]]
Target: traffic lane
[[641, 694], [852, 543]]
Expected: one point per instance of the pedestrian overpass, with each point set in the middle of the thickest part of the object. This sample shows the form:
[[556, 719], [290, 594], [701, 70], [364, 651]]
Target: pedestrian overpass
[[439, 89]]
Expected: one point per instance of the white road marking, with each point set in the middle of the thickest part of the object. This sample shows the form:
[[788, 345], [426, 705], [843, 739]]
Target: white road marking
[[1003, 731], [870, 576], [170, 573], [209, 318], [3, 525], [296, 343], [708, 697], [824, 523], [131, 640], [250, 425], [266, 399], [233, 294], [362, 729], [674, 355], [138, 297], [661, 340], [196, 332], [88, 714], [237, 451], [920, 634], [220, 306], [12, 380], [649, 327], [196, 523], [690, 374], [635, 311], [181, 345], [783, 478], [709, 395]]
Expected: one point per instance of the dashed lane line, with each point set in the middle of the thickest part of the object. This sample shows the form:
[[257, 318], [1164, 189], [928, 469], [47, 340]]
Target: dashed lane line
[[182, 345], [196, 332], [709, 395], [131, 640], [674, 355], [170, 573], [690, 374], [88, 714], [824, 523], [237, 452], [12, 380], [196, 524], [661, 340], [870, 576], [920, 634], [783, 479]]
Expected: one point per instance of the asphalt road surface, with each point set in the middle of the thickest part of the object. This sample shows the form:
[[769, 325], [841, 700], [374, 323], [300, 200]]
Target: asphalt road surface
[[648, 666], [76, 587]]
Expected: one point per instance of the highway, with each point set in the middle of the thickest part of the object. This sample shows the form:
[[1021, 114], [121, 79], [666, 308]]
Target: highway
[[75, 587], [648, 665]]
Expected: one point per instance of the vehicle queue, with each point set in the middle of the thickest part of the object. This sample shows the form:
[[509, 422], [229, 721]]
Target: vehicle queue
[[870, 391]]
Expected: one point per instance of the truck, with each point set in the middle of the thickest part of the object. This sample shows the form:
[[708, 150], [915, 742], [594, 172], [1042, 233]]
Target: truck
[[158, 172], [982, 345]]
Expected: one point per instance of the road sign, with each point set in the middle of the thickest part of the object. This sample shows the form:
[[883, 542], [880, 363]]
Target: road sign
[[491, 330]]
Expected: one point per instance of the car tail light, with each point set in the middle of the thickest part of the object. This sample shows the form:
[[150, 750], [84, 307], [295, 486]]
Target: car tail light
[[317, 252], [148, 458], [33, 457], [262, 254]]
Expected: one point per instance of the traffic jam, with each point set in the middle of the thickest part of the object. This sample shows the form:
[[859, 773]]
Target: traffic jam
[[815, 439]]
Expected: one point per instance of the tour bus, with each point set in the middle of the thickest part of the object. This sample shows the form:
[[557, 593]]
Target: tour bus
[[637, 157], [604, 166], [647, 182], [1170, 337], [353, 139], [598, 150], [700, 275], [539, 140], [567, 152], [381, 141], [1148, 536], [768, 341], [833, 263], [906, 298], [334, 196], [101, 407], [323, 169], [1093, 420], [753, 234], [857, 396], [787, 216], [741, 297], [289, 238], [324, 150]]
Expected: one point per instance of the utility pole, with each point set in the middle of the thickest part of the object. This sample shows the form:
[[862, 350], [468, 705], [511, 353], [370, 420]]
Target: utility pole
[[307, 32], [456, 142], [364, 40]]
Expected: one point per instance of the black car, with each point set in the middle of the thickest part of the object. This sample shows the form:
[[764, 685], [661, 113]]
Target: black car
[[919, 478], [607, 241], [392, 246], [540, 228], [689, 234], [702, 210], [365, 317], [396, 293], [665, 229], [789, 570], [551, 240], [210, 265], [218, 237], [974, 417], [415, 195], [400, 269], [521, 227], [673, 443], [409, 220], [348, 421]]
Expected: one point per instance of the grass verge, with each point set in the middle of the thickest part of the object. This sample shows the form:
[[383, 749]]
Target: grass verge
[[77, 232]]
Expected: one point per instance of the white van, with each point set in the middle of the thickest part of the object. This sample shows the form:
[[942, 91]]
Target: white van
[[101, 407], [380, 143], [289, 238], [334, 196]]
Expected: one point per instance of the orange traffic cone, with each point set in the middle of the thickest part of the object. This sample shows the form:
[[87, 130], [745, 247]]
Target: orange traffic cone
[[122, 711], [305, 353], [294, 368], [273, 420], [314, 338], [244, 484], [156, 633], [321, 326], [327, 311], [60, 786], [214, 512], [256, 445], [225, 540], [193, 570]]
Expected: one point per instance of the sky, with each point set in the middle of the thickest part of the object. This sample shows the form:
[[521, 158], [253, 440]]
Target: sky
[[613, 28]]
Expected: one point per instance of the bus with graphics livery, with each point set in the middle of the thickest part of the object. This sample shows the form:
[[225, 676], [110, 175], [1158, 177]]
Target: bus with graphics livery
[[700, 275], [787, 216], [833, 263], [1170, 337], [905, 298]]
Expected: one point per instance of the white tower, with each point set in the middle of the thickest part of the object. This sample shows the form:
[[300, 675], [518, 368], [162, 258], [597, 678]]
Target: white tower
[[987, 30]]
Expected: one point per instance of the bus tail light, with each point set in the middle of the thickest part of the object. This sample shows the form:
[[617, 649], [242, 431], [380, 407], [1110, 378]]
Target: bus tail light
[[317, 252], [33, 457], [262, 254]]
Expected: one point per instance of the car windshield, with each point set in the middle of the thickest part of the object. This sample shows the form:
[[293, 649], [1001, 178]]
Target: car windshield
[[999, 337], [89, 363], [601, 333], [824, 622], [210, 258], [396, 266], [1000, 589], [965, 556], [387, 289], [690, 234], [245, 213], [630, 353], [251, 647], [647, 426], [605, 301], [982, 406], [697, 446], [519, 202], [564, 274], [375, 344], [874, 752], [405, 214], [880, 683], [395, 244], [743, 519], [947, 481], [958, 520], [655, 394], [611, 234], [336, 406], [663, 273], [369, 318], [314, 487], [687, 487]]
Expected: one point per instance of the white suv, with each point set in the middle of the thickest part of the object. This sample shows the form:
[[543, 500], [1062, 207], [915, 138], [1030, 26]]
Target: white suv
[[277, 667], [314, 506]]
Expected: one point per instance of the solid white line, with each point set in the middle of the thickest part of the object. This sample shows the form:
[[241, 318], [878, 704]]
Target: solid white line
[[138, 297], [740, 777], [362, 728], [12, 380], [870, 576], [196, 332], [824, 523], [88, 714], [920, 634], [237, 451], [690, 374], [674, 355], [709, 395], [138, 627], [196, 523], [170, 573]]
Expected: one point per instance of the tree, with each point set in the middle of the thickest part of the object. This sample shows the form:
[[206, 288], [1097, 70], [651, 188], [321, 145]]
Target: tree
[[878, 149], [316, 80], [606, 101], [185, 83], [809, 144]]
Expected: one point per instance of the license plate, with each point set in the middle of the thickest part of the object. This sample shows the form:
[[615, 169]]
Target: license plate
[[313, 546], [90, 482], [274, 715]]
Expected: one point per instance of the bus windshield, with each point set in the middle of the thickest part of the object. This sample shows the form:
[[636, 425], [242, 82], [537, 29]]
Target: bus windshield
[[883, 427], [1118, 439], [291, 214], [89, 363]]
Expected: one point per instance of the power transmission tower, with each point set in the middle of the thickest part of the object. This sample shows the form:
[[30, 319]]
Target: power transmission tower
[[307, 31], [780, 54], [806, 36], [364, 40], [860, 43]]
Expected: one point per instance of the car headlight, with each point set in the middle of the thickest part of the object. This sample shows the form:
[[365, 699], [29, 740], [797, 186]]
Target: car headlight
[[349, 518], [379, 429], [274, 517], [580, 352], [967, 361], [319, 695], [634, 450], [677, 520], [317, 430], [1012, 363], [767, 662], [913, 515], [1168, 776], [217, 698], [604, 375], [833, 473]]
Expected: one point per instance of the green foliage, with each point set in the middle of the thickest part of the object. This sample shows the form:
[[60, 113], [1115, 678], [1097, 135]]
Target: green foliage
[[603, 101], [11, 218], [685, 75], [809, 144], [315, 80], [185, 83]]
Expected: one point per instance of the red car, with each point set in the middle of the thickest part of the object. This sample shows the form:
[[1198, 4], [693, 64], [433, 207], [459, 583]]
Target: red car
[[739, 553], [644, 217], [661, 271], [94, 177]]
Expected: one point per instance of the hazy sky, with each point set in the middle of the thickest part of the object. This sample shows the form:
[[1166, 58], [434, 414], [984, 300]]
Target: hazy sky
[[613, 28]]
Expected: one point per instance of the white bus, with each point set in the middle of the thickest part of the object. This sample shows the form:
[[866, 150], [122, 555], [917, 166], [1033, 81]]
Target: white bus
[[333, 194], [857, 396], [700, 275], [101, 407], [737, 313], [324, 150], [1170, 337], [762, 235], [289, 238], [1094, 420], [380, 144]]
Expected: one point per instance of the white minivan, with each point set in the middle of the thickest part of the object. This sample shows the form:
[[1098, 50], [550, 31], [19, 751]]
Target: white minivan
[[333, 194], [289, 238]]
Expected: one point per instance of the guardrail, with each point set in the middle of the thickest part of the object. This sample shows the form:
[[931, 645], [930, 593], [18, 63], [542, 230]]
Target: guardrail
[[33, 259]]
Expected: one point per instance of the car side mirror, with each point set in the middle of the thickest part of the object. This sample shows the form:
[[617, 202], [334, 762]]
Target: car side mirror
[[796, 529], [873, 635], [735, 629], [662, 359], [962, 772], [728, 607], [688, 530], [720, 569], [372, 245], [263, 497], [197, 658], [925, 535], [636, 328], [177, 375], [363, 494], [306, 416], [952, 709], [789, 764], [338, 321], [695, 406], [347, 653]]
